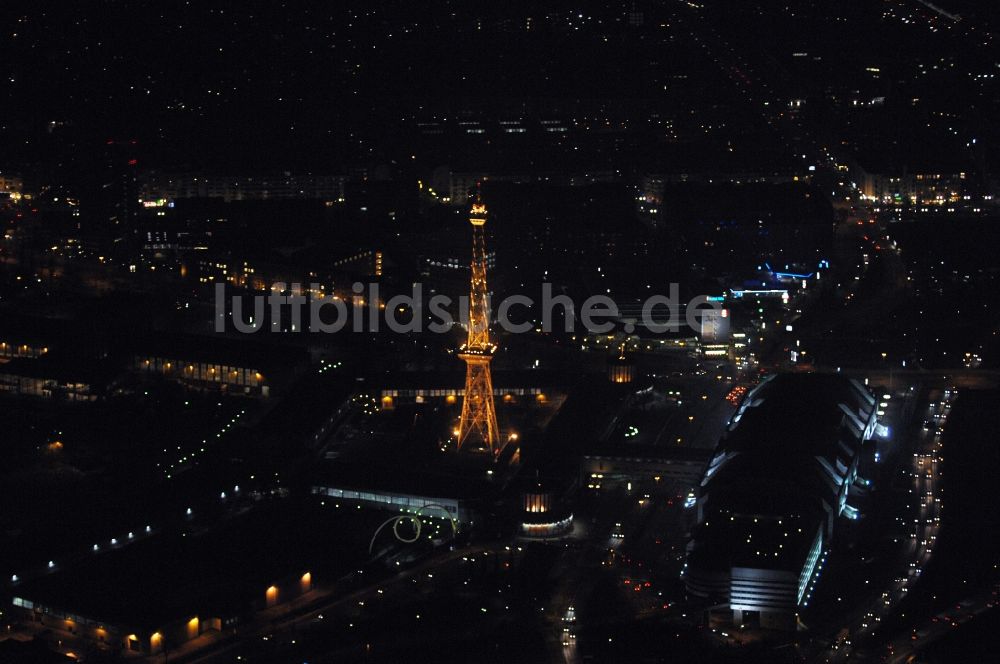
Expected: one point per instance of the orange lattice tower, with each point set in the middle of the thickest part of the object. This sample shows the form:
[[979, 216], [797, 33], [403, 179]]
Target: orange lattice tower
[[478, 426]]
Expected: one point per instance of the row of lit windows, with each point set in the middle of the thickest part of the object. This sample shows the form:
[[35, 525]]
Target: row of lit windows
[[45, 387], [214, 373], [388, 499], [21, 350], [61, 615], [459, 392]]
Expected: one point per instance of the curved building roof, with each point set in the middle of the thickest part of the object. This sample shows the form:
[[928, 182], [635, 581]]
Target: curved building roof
[[780, 474]]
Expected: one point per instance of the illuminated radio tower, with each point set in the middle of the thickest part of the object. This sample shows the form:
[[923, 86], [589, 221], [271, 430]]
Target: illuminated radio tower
[[479, 414]]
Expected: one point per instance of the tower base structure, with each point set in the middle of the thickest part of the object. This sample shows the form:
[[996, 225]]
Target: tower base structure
[[477, 429]]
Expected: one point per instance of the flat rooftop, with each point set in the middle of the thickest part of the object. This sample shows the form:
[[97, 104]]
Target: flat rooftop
[[382, 466], [219, 571]]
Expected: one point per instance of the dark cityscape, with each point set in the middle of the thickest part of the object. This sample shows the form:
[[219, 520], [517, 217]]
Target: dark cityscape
[[641, 331]]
